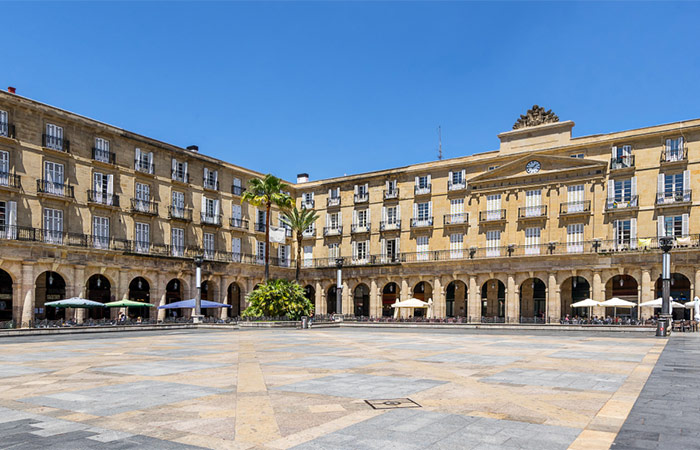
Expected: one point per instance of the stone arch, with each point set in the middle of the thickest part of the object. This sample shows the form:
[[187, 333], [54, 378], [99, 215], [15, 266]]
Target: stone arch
[[574, 289], [456, 303], [98, 288], [622, 286], [139, 291], [361, 300], [390, 292], [680, 292], [331, 300], [493, 300], [6, 291], [49, 286], [533, 299], [234, 299], [210, 292], [174, 292]]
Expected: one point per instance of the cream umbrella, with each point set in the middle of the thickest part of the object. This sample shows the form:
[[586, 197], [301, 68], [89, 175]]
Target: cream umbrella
[[412, 303], [617, 303], [587, 303], [659, 301]]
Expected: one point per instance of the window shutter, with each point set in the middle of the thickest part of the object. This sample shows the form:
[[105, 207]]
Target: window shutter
[[660, 232], [387, 185], [340, 219], [449, 179], [354, 250], [633, 232], [686, 185], [369, 218], [110, 189], [356, 189], [383, 213], [634, 186], [328, 220], [464, 176], [430, 208], [417, 177], [312, 196], [660, 185], [614, 151], [680, 145], [137, 156], [216, 179], [398, 247], [150, 162], [354, 217], [398, 212], [216, 208], [173, 175], [685, 224], [611, 189], [429, 179], [185, 175], [330, 193], [206, 175], [11, 230], [415, 210]]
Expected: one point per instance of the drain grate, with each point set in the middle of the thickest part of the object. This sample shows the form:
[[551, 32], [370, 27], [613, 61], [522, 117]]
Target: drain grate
[[392, 403]]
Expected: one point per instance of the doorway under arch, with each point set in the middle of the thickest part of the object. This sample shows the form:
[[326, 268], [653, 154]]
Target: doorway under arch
[[456, 299], [361, 300], [493, 301], [234, 299], [50, 286], [5, 296], [139, 291], [389, 295], [574, 289], [98, 289], [533, 300]]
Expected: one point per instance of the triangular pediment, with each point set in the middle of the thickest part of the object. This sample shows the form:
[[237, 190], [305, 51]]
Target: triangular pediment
[[547, 165]]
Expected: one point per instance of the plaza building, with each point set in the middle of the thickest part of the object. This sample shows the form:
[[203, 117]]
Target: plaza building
[[512, 235]]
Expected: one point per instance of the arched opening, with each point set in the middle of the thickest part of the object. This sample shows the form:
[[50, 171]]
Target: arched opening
[[389, 295], [310, 293], [99, 289], [574, 289], [422, 291], [361, 300], [533, 300], [493, 301], [331, 306], [234, 299], [624, 287], [5, 296], [680, 292], [173, 293], [209, 294], [456, 299], [50, 287], [139, 291]]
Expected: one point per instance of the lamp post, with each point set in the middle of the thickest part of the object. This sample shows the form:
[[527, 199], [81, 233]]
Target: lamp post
[[665, 244], [339, 287], [198, 281]]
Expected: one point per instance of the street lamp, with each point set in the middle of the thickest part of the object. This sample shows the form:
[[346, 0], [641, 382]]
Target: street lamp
[[665, 244], [339, 287], [198, 282]]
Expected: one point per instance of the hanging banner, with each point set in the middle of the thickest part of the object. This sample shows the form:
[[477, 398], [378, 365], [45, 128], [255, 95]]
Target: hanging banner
[[277, 235]]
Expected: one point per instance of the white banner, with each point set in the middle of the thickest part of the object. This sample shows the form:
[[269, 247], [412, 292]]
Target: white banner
[[277, 234]]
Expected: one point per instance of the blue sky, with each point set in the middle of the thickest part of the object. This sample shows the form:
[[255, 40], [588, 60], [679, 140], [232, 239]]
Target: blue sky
[[335, 88]]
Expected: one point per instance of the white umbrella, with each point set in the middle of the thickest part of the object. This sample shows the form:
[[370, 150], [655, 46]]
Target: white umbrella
[[659, 301], [412, 303], [430, 307], [692, 304], [587, 303], [617, 303]]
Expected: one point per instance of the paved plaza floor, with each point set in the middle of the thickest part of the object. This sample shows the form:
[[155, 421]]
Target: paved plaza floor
[[307, 389]]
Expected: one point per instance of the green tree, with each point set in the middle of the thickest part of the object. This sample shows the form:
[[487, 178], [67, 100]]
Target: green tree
[[299, 220], [277, 298], [266, 192]]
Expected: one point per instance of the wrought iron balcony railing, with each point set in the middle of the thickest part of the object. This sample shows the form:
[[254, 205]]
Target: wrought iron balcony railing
[[332, 231], [52, 188], [452, 186], [144, 207], [623, 202], [308, 204], [102, 198], [209, 184], [55, 143], [239, 223], [671, 197], [210, 218], [237, 190], [622, 162], [386, 225], [580, 207], [360, 228], [178, 175], [362, 198], [7, 130], [144, 167], [391, 194], [422, 190], [10, 180], [419, 222], [333, 201], [531, 212], [104, 156], [456, 219], [674, 155], [180, 213], [492, 215]]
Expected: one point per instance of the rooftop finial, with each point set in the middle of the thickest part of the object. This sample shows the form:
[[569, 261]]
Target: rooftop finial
[[535, 116]]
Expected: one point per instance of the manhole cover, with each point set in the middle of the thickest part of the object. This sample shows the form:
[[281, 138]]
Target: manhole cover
[[392, 403]]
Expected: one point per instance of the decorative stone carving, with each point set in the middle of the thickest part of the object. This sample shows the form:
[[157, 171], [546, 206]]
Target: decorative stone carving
[[535, 116]]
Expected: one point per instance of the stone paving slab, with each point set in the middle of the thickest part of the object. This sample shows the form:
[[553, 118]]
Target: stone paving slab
[[11, 370], [158, 368], [559, 379], [471, 359], [605, 356], [327, 362], [180, 352], [119, 398], [361, 386]]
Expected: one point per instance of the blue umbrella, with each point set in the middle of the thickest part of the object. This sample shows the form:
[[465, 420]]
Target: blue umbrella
[[190, 304]]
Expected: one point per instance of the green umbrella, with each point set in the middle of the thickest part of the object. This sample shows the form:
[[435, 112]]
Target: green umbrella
[[127, 304], [74, 302]]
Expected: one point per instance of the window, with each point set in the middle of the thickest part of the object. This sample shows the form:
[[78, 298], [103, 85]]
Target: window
[[101, 152], [283, 255], [142, 233], [361, 251], [333, 252], [237, 189], [54, 137], [53, 176], [236, 249], [390, 249], [622, 231], [674, 187], [178, 206], [4, 168], [143, 161], [493, 243], [334, 193], [533, 203], [210, 210], [492, 168], [674, 149], [211, 179], [673, 225], [334, 220], [53, 226], [574, 238], [457, 210], [236, 215], [143, 197], [456, 245], [422, 184], [179, 171], [623, 190], [103, 188], [100, 232], [578, 155], [493, 207], [574, 196], [208, 245], [673, 182], [532, 240], [362, 218], [8, 220], [4, 125], [308, 200], [391, 216], [260, 252], [422, 244], [177, 241], [308, 255], [391, 188], [422, 211], [361, 190], [261, 223], [457, 177]]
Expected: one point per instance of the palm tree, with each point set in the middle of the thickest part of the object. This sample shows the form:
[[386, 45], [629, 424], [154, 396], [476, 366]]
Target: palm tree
[[299, 220], [267, 192]]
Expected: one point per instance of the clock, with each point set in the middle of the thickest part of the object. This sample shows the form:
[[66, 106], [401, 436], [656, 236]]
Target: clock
[[533, 167]]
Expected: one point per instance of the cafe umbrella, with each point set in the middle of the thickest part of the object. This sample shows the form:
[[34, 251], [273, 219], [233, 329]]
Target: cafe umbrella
[[74, 302]]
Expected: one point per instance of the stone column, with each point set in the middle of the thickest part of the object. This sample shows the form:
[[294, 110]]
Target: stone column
[[223, 297], [374, 300], [646, 287], [553, 298], [319, 307], [347, 299], [158, 297], [439, 305], [511, 300], [79, 290], [27, 295], [598, 294], [405, 290], [473, 301]]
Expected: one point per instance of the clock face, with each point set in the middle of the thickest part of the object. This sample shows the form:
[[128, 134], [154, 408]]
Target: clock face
[[533, 167]]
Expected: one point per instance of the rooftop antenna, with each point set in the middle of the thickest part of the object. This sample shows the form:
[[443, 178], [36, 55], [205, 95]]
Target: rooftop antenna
[[439, 143]]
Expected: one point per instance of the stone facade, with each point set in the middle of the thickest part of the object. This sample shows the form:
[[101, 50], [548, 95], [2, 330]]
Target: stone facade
[[515, 234]]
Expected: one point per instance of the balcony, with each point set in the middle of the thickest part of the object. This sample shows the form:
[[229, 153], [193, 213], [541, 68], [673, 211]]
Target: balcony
[[309, 233], [678, 155], [10, 180], [210, 219], [180, 213], [55, 143], [177, 175], [386, 225], [673, 197], [422, 190], [532, 212], [391, 194], [144, 167], [101, 198], [237, 190], [144, 207], [421, 222], [622, 162], [459, 186], [54, 189], [626, 202], [456, 219], [308, 204], [210, 184], [575, 208], [7, 130], [104, 156], [239, 223], [333, 201], [496, 215], [332, 231], [360, 228], [362, 197]]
